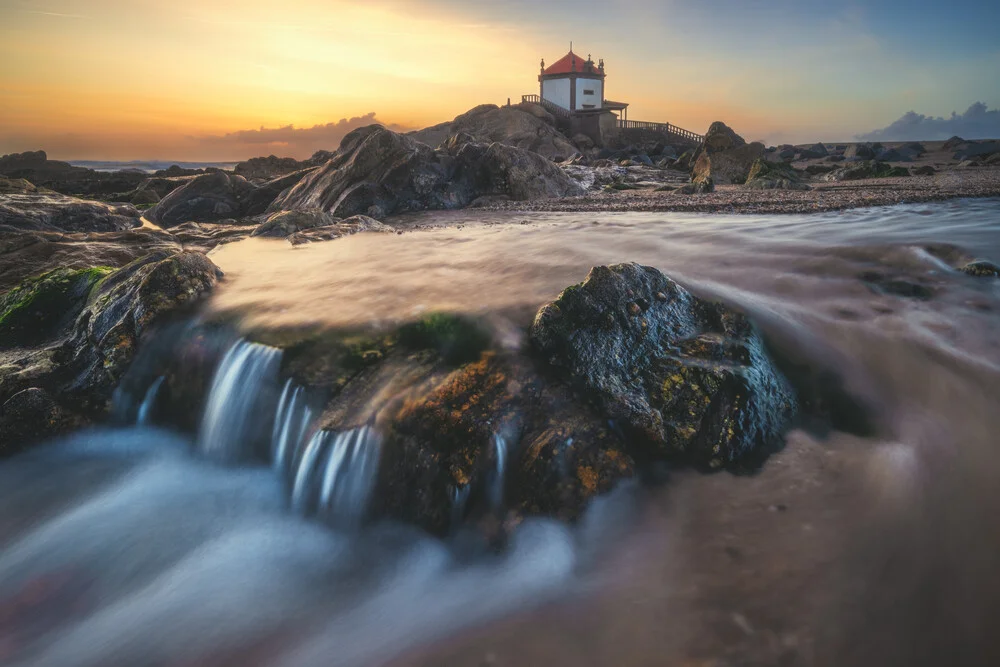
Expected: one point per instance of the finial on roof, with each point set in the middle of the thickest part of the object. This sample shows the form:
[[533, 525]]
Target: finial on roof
[[571, 47], [543, 65]]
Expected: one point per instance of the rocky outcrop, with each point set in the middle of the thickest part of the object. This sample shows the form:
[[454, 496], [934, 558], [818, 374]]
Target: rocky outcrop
[[73, 333], [687, 378], [352, 225], [378, 172], [976, 149], [724, 159], [32, 416], [766, 175], [19, 186], [981, 268], [720, 137], [65, 178], [867, 169], [205, 198], [814, 152], [59, 213], [268, 168], [525, 126], [204, 236], [263, 196], [286, 223]]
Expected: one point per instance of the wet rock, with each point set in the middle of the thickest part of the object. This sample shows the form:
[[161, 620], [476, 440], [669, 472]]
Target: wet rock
[[175, 170], [203, 236], [267, 168], [27, 254], [981, 268], [352, 225], [261, 198], [144, 197], [285, 223], [54, 212], [31, 416], [883, 284], [43, 306], [87, 330], [688, 379], [766, 175], [206, 198], [19, 186], [161, 185], [378, 172], [867, 169]]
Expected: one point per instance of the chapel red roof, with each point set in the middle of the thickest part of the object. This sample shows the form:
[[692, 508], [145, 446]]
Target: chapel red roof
[[565, 65]]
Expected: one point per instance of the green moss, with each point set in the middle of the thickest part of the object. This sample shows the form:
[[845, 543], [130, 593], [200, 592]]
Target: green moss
[[457, 339], [30, 310]]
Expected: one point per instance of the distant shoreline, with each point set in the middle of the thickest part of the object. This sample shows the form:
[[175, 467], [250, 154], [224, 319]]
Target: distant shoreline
[[147, 166]]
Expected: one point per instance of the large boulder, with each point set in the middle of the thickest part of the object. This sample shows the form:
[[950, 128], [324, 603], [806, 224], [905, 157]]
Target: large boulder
[[36, 211], [814, 152], [378, 172], [721, 137], [864, 151], [726, 167], [687, 378], [261, 198], [977, 149], [767, 175], [206, 198], [32, 416], [87, 324], [529, 127]]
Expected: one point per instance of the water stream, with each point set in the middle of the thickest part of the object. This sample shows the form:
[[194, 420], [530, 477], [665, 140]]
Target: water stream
[[249, 542]]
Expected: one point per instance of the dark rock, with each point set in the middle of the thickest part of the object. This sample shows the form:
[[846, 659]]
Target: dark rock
[[30, 417], [161, 185], [953, 143], [65, 178], [54, 212], [817, 169], [268, 168], [836, 158], [378, 172], [860, 152], [765, 175], [883, 284], [352, 225], [262, 197], [19, 186], [206, 198], [144, 197], [85, 343], [981, 268], [174, 171], [727, 167], [892, 155], [529, 127], [687, 378], [814, 152], [925, 170], [978, 149], [43, 306], [203, 236], [720, 137], [285, 223], [868, 169]]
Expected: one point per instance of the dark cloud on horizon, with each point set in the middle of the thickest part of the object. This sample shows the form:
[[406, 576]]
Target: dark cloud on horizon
[[290, 141], [978, 122]]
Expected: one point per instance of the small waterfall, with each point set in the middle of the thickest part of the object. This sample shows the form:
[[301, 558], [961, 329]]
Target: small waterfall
[[459, 499], [336, 473], [232, 414], [291, 424], [498, 477], [148, 401]]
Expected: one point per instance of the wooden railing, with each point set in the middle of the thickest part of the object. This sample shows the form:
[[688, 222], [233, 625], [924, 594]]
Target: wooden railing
[[665, 128], [551, 107]]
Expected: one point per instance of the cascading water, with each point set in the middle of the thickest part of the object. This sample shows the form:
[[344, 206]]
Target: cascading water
[[336, 475], [291, 424], [232, 411], [149, 401]]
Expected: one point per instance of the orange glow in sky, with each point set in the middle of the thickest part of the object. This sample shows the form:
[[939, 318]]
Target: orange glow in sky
[[123, 79]]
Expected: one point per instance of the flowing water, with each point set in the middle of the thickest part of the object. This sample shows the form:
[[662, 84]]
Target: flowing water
[[246, 544]]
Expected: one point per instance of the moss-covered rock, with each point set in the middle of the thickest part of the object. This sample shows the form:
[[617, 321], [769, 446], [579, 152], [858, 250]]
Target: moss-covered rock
[[45, 304], [457, 339], [687, 378], [981, 268]]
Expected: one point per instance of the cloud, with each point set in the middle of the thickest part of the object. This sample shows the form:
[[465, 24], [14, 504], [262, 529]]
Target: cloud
[[978, 122], [290, 141]]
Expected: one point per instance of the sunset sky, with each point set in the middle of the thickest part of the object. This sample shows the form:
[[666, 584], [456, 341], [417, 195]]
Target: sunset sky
[[219, 79]]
